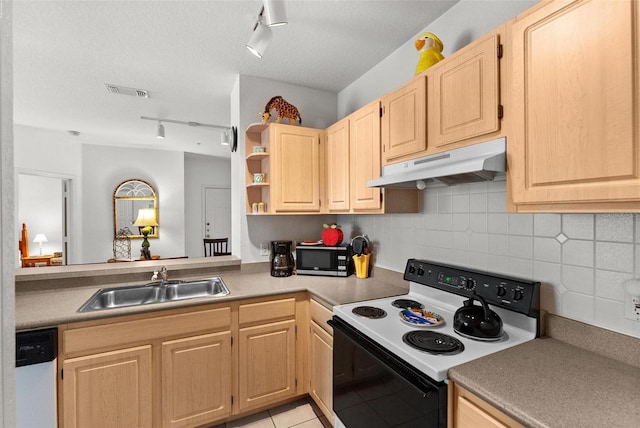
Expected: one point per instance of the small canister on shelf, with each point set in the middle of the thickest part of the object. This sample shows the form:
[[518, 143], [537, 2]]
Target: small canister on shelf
[[261, 207], [254, 208]]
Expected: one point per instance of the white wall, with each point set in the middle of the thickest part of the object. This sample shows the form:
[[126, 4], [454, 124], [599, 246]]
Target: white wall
[[51, 153], [581, 259], [7, 221], [106, 167], [200, 171], [248, 99]]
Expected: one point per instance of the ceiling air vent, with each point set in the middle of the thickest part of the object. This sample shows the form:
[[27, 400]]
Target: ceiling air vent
[[122, 90]]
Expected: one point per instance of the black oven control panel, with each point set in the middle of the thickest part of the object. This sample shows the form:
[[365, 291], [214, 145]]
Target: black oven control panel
[[516, 294]]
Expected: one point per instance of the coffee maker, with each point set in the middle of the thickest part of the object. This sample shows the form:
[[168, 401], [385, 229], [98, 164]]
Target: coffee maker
[[281, 258]]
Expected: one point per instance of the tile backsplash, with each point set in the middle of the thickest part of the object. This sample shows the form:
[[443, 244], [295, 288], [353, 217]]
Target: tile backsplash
[[581, 259]]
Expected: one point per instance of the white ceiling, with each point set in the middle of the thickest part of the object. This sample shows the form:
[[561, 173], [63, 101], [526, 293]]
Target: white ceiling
[[187, 54]]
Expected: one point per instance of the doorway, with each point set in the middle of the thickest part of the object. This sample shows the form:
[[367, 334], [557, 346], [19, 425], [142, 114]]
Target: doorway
[[217, 214], [43, 205]]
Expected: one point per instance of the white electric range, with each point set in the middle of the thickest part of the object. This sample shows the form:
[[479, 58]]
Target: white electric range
[[382, 342]]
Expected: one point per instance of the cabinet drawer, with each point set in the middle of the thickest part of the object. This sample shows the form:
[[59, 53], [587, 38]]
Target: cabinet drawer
[[114, 334], [320, 315], [265, 311]]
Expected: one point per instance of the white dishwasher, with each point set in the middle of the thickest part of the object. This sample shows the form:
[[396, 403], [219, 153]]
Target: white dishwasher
[[36, 352]]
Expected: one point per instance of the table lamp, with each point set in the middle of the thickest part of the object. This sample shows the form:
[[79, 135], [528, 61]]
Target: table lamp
[[40, 238], [147, 220]]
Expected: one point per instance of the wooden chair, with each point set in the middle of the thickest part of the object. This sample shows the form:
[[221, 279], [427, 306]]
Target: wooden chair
[[216, 247], [23, 244]]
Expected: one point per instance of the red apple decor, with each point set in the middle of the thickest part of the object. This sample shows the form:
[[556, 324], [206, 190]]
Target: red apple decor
[[332, 235]]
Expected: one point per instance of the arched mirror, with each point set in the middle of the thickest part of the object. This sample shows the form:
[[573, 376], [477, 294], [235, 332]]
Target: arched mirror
[[135, 205]]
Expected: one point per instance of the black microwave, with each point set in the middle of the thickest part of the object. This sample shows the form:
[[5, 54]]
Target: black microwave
[[326, 261]]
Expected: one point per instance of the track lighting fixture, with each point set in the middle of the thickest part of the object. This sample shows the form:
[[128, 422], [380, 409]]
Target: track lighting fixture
[[225, 138], [160, 131], [260, 38], [272, 14], [228, 138]]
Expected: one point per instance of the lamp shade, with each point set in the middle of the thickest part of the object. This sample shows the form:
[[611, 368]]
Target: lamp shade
[[274, 13], [260, 39], [146, 217], [40, 238]]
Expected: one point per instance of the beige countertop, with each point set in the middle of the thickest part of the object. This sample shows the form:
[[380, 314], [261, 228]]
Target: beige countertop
[[550, 382], [58, 305], [576, 376]]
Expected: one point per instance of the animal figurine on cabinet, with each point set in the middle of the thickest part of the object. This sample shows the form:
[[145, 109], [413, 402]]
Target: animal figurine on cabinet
[[283, 110], [430, 48]]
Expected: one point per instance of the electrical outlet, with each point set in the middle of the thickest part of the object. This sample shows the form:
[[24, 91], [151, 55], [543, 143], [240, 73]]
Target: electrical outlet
[[264, 249], [632, 307]]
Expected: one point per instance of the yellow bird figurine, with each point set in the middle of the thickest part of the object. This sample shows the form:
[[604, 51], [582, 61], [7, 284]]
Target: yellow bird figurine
[[430, 48]]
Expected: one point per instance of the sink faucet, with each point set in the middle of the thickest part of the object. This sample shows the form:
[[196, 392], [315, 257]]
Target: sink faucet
[[163, 275]]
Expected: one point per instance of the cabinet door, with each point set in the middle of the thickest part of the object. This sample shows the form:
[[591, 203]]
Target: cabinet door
[[295, 183], [321, 363], [467, 410], [463, 94], [266, 364], [471, 416], [338, 166], [404, 116], [111, 389], [575, 136], [365, 157], [196, 380]]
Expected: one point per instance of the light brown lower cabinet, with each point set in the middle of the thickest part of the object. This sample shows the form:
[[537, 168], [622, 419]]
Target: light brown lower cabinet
[[467, 410], [266, 364], [108, 389], [266, 352], [181, 367], [321, 359], [196, 381]]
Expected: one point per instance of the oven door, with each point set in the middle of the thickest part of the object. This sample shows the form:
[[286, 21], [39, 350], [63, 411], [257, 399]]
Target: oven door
[[374, 388]]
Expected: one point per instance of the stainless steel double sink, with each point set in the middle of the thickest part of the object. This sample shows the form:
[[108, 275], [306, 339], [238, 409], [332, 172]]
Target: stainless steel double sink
[[169, 291]]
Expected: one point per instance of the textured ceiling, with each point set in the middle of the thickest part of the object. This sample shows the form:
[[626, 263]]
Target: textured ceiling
[[187, 54]]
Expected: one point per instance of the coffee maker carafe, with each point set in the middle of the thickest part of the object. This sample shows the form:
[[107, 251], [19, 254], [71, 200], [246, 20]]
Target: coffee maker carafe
[[281, 258]]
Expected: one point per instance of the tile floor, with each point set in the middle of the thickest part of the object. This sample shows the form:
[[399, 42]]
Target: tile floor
[[302, 413]]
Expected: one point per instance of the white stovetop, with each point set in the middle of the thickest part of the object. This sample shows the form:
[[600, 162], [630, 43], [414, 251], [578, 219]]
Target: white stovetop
[[388, 331]]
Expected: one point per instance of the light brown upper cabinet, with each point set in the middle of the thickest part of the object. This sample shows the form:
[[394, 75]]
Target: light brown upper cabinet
[[295, 168], [292, 166], [337, 146], [404, 125], [463, 99], [354, 158], [574, 140], [364, 148]]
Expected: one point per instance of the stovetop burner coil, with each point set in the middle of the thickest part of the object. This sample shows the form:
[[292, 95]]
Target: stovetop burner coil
[[369, 312], [407, 304], [433, 342]]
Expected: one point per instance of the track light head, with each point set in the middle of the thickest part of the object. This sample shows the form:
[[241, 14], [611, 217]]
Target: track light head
[[224, 138], [160, 135], [260, 39], [274, 13]]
